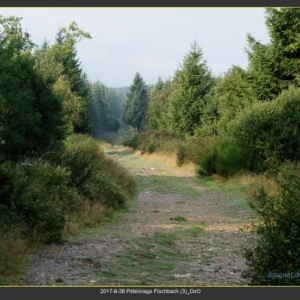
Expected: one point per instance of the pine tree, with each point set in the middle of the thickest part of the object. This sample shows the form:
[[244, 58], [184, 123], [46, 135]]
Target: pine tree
[[158, 113], [65, 53], [195, 81], [273, 67], [231, 94], [136, 103]]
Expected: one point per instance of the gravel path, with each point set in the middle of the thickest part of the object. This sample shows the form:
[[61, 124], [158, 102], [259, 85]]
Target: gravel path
[[101, 256]]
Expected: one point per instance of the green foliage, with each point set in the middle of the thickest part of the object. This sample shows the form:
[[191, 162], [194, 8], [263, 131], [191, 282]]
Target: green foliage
[[36, 197], [52, 69], [277, 251], [40, 195], [94, 175], [195, 81], [273, 67], [64, 53], [82, 156], [158, 141], [270, 130], [104, 189], [97, 109], [261, 70], [178, 219], [158, 115], [226, 158], [284, 26], [32, 116], [136, 103], [12, 37], [105, 108], [194, 149], [231, 94], [46, 184], [112, 123], [134, 142]]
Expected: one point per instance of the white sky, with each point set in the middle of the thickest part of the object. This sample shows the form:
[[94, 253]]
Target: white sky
[[151, 41]]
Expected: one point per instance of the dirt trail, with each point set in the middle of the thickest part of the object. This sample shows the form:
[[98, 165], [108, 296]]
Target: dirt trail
[[175, 233]]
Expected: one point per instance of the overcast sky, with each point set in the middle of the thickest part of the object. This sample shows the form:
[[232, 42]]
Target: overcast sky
[[151, 41]]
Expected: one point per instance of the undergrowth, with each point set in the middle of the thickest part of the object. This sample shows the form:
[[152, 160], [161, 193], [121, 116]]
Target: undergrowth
[[46, 198]]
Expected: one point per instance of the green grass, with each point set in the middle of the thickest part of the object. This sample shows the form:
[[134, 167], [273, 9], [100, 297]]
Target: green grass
[[179, 219], [165, 185], [101, 229], [195, 231], [154, 257], [208, 182], [236, 194], [189, 229]]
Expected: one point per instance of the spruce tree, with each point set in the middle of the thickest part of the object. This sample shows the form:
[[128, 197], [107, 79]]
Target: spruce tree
[[65, 53], [195, 81], [136, 103], [274, 66]]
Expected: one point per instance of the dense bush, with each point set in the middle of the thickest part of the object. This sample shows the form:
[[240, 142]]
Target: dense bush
[[82, 156], [103, 189], [32, 115], [36, 197], [277, 251], [93, 174], [40, 195], [226, 158], [271, 130]]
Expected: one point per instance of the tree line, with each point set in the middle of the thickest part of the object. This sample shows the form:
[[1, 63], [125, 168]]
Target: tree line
[[45, 95], [54, 177], [242, 105], [247, 120]]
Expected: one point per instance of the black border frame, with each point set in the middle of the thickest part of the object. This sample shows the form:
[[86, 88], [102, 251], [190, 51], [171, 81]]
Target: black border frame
[[149, 3], [93, 292]]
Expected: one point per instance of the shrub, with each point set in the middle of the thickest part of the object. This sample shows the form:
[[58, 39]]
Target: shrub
[[132, 142], [91, 171], [103, 189], [158, 141], [38, 199], [226, 158], [194, 149], [277, 251], [270, 130]]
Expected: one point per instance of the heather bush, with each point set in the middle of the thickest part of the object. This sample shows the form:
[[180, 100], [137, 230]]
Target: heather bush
[[94, 175], [276, 254]]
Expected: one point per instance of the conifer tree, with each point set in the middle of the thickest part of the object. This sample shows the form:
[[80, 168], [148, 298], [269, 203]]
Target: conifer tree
[[195, 81], [136, 103], [274, 66]]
